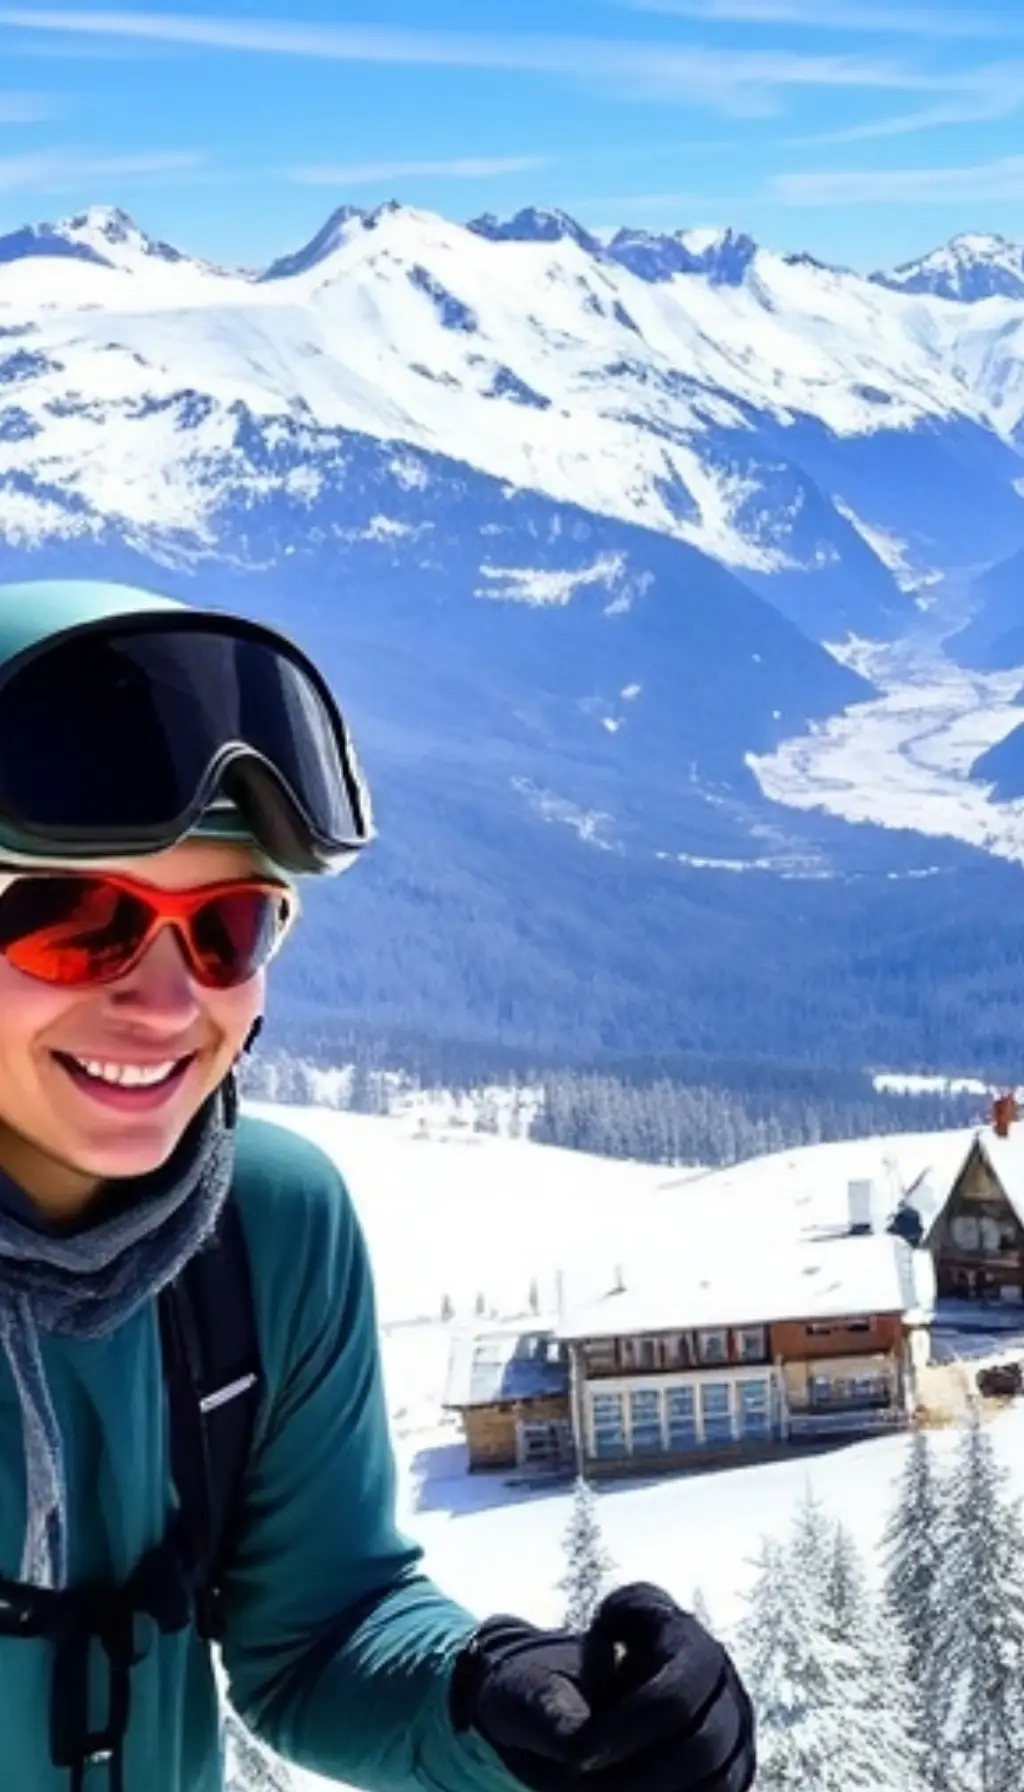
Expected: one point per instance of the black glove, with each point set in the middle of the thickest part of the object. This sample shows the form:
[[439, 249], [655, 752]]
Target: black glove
[[644, 1701]]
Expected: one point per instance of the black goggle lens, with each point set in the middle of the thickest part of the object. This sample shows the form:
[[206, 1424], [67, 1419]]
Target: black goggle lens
[[114, 732]]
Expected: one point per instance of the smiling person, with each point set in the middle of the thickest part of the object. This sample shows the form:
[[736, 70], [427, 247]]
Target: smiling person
[[193, 1439]]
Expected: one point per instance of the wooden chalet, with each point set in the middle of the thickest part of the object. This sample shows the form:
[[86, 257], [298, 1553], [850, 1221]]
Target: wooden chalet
[[510, 1387], [822, 1339], [972, 1225]]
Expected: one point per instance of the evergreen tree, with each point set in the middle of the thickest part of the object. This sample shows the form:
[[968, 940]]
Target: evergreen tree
[[877, 1745], [588, 1564], [913, 1547], [980, 1646], [797, 1677], [702, 1611], [811, 1548]]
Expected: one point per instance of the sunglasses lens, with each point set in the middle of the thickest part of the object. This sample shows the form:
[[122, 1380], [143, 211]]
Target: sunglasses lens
[[232, 936], [70, 930]]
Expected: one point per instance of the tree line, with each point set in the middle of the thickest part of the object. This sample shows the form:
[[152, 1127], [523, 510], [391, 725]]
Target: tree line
[[746, 1111]]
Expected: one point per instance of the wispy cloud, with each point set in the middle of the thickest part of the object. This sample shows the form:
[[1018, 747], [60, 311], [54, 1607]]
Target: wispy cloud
[[833, 15], [992, 92], [998, 180], [370, 174], [737, 81], [59, 170], [26, 108]]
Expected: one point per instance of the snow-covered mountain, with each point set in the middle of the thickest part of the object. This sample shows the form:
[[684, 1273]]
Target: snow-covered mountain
[[548, 507], [104, 235], [835, 443], [968, 268]]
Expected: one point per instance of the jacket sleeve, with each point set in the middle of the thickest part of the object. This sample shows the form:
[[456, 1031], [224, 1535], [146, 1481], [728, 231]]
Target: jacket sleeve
[[338, 1649]]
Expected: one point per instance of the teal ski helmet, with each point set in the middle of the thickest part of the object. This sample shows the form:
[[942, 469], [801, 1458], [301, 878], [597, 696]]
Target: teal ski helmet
[[130, 721]]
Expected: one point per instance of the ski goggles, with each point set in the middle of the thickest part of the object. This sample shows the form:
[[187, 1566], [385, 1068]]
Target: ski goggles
[[80, 929], [116, 737]]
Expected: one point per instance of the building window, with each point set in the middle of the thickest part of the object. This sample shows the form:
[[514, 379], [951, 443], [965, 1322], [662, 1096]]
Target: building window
[[755, 1411], [645, 1421], [600, 1357], [872, 1388], [849, 1390], [609, 1425], [827, 1328], [713, 1346], [750, 1344], [966, 1232], [716, 1412], [682, 1418], [640, 1353]]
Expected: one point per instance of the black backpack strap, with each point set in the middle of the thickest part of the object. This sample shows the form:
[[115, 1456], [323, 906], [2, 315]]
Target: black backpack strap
[[214, 1382]]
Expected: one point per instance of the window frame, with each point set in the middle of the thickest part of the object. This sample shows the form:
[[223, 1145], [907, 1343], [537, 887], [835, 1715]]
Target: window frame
[[703, 1336]]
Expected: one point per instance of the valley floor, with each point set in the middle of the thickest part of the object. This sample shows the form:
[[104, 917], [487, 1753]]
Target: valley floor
[[903, 759]]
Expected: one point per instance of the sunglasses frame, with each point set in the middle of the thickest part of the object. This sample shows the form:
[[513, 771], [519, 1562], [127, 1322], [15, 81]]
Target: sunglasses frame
[[168, 908]]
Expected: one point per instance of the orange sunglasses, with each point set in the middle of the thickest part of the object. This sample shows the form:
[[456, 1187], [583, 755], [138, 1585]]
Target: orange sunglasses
[[84, 928]]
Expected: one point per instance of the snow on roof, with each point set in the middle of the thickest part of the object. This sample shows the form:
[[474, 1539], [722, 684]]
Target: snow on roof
[[1007, 1159], [928, 1197], [504, 1364], [831, 1278]]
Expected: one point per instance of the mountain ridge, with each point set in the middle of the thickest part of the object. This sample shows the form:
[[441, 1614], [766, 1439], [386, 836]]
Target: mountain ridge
[[826, 438]]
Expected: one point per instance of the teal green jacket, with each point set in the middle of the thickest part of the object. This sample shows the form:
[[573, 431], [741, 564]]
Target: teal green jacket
[[338, 1649]]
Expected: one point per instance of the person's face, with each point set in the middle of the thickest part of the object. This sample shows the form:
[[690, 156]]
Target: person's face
[[62, 1134]]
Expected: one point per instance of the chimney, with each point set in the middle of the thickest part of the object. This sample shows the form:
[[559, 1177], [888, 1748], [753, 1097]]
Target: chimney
[[861, 1198], [1004, 1113]]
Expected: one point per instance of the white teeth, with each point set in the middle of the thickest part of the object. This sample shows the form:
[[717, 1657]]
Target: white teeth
[[128, 1076]]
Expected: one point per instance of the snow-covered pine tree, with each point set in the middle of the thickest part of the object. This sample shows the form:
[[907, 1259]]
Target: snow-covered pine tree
[[877, 1746], [250, 1766], [811, 1546], [912, 1551], [797, 1676], [588, 1564], [701, 1610], [980, 1645]]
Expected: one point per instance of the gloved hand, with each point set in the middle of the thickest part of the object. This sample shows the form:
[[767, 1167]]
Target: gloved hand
[[644, 1701]]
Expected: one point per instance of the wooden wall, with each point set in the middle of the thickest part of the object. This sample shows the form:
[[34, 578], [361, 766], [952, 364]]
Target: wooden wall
[[793, 1340], [491, 1430]]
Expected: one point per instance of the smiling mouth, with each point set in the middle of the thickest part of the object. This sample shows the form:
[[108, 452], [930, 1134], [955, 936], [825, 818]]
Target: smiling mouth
[[126, 1078]]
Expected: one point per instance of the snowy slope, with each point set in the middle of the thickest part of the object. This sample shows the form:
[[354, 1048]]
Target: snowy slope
[[969, 267], [445, 1215], [457, 1213], [780, 415]]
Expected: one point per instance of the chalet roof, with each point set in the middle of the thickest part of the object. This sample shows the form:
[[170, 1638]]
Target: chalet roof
[[930, 1196], [492, 1367], [828, 1278], [1007, 1159]]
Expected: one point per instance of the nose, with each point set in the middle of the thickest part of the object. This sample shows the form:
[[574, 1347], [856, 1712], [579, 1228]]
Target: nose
[[160, 990]]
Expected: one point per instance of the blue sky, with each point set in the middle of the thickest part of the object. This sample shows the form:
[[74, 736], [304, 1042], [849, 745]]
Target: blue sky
[[865, 131]]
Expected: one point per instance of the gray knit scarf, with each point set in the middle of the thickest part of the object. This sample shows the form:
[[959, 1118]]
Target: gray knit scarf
[[87, 1284]]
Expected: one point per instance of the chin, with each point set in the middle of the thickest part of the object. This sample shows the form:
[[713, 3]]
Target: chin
[[144, 1150]]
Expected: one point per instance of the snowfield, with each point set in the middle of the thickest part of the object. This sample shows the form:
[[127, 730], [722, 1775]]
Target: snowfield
[[903, 759]]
